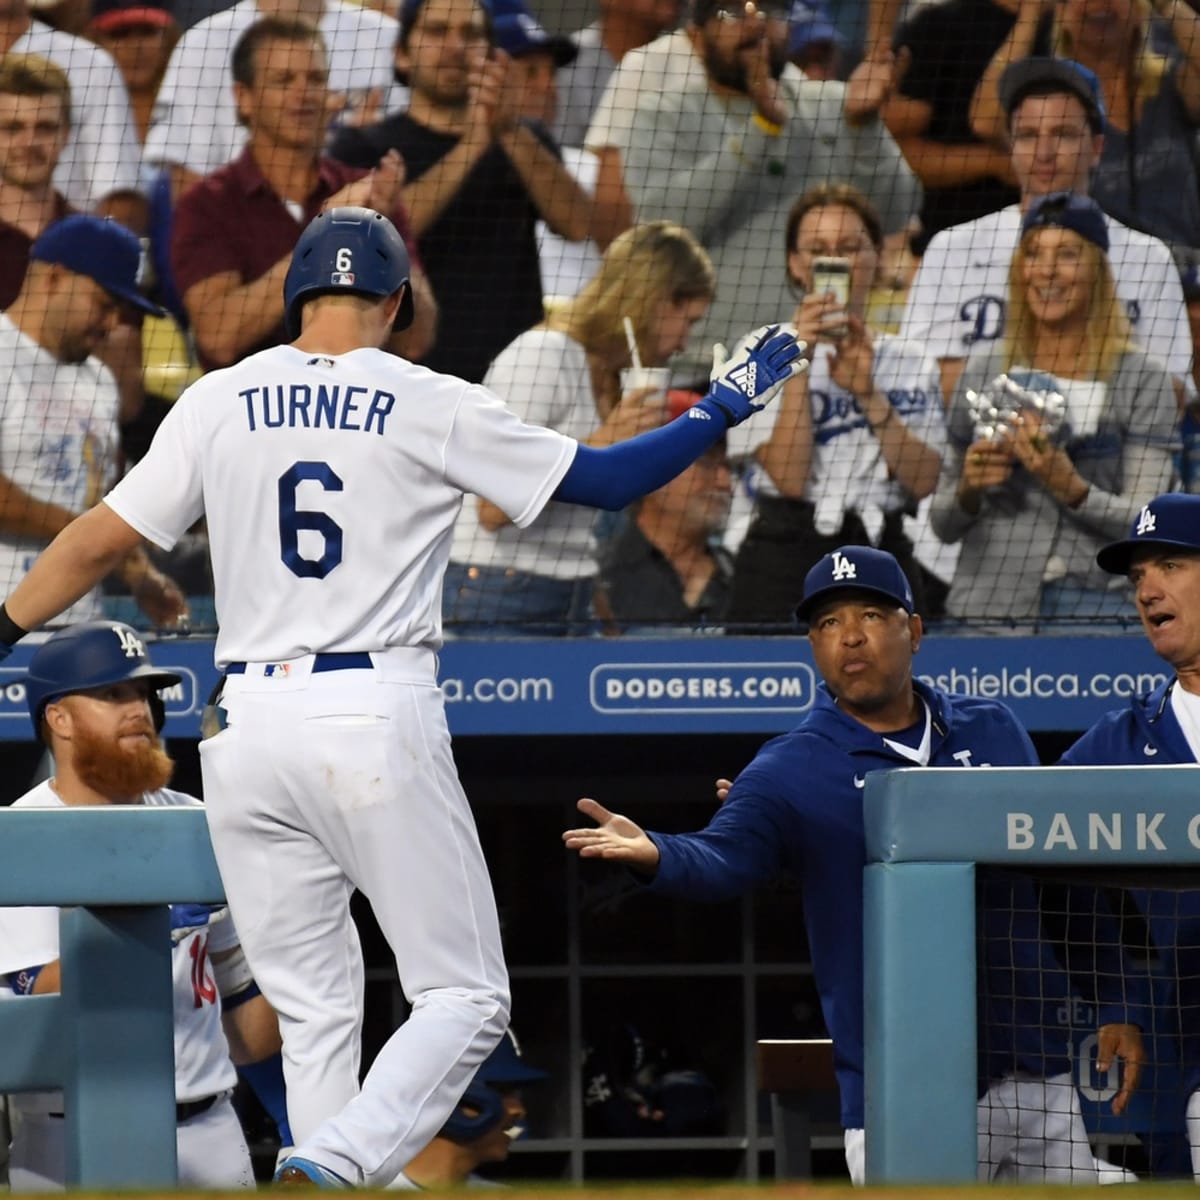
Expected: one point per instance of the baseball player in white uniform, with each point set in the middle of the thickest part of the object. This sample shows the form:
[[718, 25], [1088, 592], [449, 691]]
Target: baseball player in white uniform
[[331, 474], [92, 694]]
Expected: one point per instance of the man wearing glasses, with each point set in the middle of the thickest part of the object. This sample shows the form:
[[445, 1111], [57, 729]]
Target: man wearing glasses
[[712, 127]]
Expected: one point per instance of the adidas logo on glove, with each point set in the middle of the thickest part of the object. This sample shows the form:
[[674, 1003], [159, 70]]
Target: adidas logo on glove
[[743, 382], [744, 378]]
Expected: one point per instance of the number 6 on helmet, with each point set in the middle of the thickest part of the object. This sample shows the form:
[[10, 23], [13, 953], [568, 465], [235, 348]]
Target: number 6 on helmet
[[347, 249]]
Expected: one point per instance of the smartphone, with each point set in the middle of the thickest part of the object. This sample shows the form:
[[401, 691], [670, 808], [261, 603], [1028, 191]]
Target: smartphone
[[831, 276]]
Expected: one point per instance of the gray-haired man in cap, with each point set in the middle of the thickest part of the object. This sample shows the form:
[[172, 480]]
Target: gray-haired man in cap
[[59, 437], [1161, 559]]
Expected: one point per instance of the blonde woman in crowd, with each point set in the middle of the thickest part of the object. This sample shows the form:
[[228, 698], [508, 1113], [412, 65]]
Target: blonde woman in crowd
[[1087, 441], [565, 373]]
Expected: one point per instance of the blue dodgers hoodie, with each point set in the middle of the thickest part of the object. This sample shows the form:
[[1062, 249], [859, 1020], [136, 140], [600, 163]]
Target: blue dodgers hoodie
[[798, 806]]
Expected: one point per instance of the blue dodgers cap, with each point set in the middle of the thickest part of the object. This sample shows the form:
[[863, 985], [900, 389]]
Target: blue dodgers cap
[[1172, 520], [519, 34], [1043, 75], [859, 569], [1067, 210], [100, 248], [809, 23]]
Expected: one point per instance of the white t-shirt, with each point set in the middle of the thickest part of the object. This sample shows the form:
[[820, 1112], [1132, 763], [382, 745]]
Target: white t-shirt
[[543, 376], [848, 470], [580, 85], [59, 440], [29, 938], [331, 486], [103, 154], [567, 266], [195, 121], [960, 294]]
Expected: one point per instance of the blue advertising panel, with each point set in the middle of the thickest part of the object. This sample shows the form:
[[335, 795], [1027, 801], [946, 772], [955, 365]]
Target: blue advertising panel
[[692, 684]]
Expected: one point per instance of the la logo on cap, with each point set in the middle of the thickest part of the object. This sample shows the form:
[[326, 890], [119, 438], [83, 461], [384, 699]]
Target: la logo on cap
[[1145, 523], [843, 568]]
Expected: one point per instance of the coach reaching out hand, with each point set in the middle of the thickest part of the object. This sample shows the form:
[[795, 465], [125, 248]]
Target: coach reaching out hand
[[798, 806]]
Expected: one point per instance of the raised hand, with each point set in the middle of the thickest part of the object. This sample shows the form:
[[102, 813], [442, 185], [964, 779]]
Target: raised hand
[[852, 366], [616, 837], [746, 379], [761, 85], [872, 83]]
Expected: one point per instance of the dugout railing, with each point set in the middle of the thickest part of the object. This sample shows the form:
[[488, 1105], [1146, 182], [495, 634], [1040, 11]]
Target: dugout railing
[[108, 1039], [926, 831]]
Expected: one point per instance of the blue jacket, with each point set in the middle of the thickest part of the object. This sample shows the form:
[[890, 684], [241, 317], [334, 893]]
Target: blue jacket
[[1146, 732], [798, 806]]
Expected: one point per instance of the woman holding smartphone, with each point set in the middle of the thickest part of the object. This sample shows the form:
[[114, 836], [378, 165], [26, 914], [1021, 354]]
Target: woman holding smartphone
[[854, 442]]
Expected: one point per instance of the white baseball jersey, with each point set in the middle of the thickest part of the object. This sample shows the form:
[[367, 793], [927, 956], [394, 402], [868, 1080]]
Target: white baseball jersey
[[331, 486], [544, 377], [59, 440], [848, 471], [103, 154], [29, 938], [195, 122], [960, 294]]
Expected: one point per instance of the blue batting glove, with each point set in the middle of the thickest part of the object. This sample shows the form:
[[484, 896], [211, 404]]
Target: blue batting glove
[[745, 381]]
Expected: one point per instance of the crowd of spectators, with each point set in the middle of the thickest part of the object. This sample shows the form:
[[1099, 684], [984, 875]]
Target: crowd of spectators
[[989, 397]]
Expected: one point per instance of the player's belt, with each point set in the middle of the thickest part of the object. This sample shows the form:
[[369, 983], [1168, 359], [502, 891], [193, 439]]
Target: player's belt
[[193, 1108], [183, 1112], [357, 661]]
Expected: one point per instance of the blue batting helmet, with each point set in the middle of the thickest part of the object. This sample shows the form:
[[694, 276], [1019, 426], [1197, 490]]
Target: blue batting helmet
[[348, 249], [503, 1069], [92, 655]]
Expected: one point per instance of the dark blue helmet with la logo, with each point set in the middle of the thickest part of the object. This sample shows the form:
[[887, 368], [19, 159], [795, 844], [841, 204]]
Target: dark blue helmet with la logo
[[347, 249], [92, 655]]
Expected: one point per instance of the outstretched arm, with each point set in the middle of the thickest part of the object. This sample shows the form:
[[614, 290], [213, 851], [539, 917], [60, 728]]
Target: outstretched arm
[[78, 558], [742, 384], [615, 837]]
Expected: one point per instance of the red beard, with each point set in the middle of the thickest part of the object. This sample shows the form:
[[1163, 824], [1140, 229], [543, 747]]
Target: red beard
[[122, 773]]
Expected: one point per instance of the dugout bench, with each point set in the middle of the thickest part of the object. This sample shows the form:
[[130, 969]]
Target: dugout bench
[[798, 1078]]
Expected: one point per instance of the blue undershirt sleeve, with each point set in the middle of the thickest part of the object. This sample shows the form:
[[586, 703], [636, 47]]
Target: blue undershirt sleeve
[[612, 477]]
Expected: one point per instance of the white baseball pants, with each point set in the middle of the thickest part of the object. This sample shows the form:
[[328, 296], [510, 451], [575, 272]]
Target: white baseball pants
[[323, 782]]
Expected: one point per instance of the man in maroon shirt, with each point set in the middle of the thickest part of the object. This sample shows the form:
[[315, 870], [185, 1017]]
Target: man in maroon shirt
[[235, 230], [35, 123]]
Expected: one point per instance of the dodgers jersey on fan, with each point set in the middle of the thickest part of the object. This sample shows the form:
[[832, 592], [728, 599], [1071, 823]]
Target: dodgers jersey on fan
[[331, 486], [848, 470], [29, 938], [798, 806], [960, 294], [58, 442]]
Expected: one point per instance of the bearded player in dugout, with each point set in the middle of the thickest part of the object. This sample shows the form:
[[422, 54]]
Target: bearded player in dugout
[[331, 474], [93, 696]]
